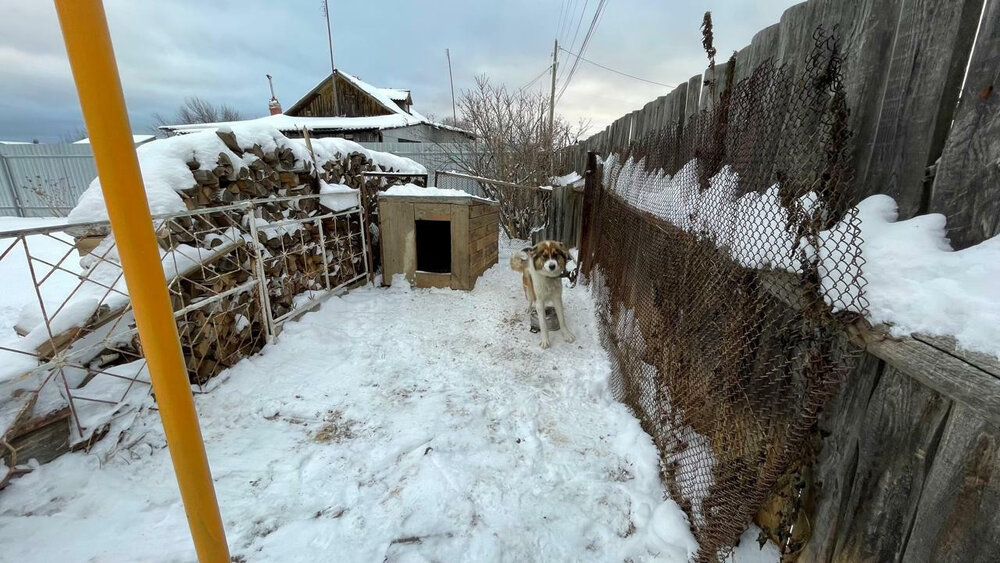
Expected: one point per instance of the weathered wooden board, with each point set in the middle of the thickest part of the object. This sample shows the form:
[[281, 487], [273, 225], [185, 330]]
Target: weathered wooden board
[[715, 84], [959, 515], [432, 211], [432, 279], [398, 240], [678, 112], [693, 103], [763, 46], [952, 377], [488, 219], [928, 59], [460, 241], [892, 465], [842, 423], [967, 185]]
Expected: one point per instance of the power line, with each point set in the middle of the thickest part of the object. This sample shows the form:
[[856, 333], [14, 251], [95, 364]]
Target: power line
[[616, 71], [535, 79], [577, 32], [568, 23], [562, 10], [583, 46]]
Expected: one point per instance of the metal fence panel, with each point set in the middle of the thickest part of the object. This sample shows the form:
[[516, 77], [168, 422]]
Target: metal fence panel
[[47, 180], [44, 180]]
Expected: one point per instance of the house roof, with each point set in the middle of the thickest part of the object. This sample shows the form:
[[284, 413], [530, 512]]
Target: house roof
[[289, 123], [386, 97], [136, 139], [397, 94]]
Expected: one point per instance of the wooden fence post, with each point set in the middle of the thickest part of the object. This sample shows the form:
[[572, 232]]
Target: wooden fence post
[[591, 185]]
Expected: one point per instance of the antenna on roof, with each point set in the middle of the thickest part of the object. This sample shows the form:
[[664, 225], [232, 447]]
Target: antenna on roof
[[273, 105], [454, 115], [333, 69]]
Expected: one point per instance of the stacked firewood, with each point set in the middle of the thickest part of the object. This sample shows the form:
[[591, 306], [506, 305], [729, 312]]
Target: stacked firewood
[[220, 315]]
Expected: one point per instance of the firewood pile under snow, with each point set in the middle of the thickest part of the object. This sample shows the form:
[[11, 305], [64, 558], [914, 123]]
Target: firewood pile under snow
[[240, 251]]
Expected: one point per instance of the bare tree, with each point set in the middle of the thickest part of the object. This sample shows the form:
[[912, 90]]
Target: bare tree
[[513, 144], [513, 141], [197, 110]]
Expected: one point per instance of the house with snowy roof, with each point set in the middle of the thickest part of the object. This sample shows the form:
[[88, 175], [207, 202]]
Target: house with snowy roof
[[364, 113]]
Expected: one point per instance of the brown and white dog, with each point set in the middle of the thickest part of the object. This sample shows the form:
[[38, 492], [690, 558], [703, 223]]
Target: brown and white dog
[[542, 267]]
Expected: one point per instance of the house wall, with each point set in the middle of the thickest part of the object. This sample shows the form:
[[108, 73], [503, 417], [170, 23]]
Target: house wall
[[352, 100]]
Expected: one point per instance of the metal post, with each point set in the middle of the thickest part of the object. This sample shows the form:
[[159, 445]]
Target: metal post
[[322, 248], [451, 80], [265, 298], [333, 69], [91, 57], [552, 108]]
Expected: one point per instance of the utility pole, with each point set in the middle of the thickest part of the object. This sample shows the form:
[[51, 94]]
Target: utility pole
[[552, 105], [454, 115], [333, 69]]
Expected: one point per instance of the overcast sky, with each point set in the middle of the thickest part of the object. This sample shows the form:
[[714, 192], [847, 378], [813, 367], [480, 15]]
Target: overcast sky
[[221, 50]]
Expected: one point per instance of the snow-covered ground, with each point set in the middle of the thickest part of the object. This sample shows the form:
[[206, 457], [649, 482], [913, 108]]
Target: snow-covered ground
[[391, 425]]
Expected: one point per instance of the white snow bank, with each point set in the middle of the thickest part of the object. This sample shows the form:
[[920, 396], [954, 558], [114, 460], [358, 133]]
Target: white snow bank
[[410, 190], [451, 437], [333, 148], [338, 197], [917, 283], [568, 179], [165, 172]]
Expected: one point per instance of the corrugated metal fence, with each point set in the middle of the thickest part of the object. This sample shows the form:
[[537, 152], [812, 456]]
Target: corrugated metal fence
[[43, 180], [47, 180]]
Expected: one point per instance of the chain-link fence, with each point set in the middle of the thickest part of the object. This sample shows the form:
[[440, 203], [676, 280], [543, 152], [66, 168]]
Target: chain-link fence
[[725, 258]]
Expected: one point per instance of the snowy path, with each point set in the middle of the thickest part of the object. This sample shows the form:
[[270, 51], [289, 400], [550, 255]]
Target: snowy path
[[391, 425]]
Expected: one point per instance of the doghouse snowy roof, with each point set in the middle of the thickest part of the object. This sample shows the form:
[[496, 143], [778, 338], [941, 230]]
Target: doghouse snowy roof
[[413, 191]]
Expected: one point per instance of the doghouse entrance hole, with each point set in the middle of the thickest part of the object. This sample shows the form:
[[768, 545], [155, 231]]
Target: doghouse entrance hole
[[434, 246]]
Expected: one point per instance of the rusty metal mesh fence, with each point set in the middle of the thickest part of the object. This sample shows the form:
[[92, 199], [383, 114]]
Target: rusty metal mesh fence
[[724, 254]]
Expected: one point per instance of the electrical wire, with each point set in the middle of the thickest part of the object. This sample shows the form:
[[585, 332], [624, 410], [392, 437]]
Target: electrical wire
[[559, 20], [617, 71], [576, 33], [535, 79], [583, 47]]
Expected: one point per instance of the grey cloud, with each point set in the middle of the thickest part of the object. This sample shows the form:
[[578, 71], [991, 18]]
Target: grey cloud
[[220, 50]]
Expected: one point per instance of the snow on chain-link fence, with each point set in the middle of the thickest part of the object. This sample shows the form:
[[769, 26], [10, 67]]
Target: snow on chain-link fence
[[235, 274], [724, 255]]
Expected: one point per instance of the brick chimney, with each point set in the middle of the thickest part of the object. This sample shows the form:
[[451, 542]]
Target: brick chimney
[[273, 105]]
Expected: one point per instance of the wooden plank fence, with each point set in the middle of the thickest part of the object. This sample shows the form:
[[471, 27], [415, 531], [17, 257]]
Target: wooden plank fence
[[904, 65], [910, 469]]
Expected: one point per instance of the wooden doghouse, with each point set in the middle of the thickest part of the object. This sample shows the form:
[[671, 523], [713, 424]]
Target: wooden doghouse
[[437, 238]]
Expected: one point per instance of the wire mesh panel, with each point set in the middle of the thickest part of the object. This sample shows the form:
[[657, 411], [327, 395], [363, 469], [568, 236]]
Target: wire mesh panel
[[725, 258], [234, 274]]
